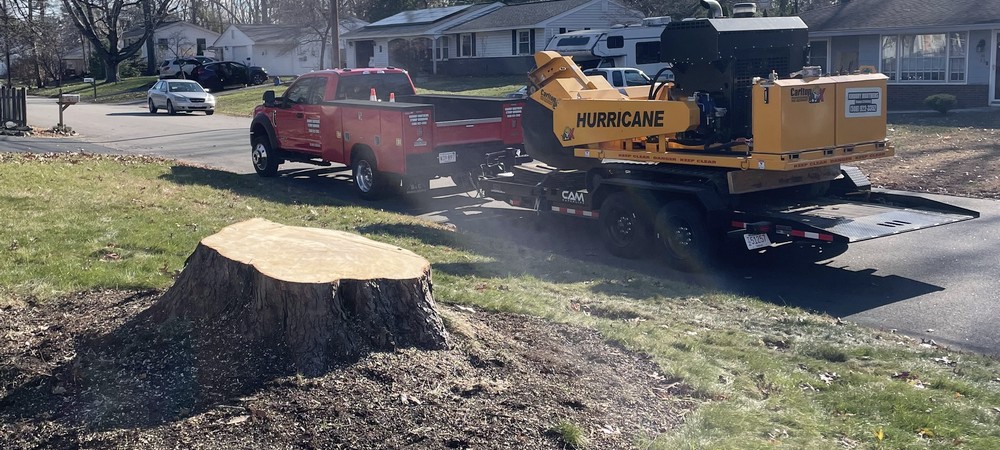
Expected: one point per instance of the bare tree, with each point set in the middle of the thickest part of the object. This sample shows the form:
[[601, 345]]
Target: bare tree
[[103, 22]]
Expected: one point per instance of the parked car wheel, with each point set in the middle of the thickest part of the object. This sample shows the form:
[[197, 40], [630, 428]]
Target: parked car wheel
[[209, 112], [170, 108], [152, 107], [265, 161], [258, 78]]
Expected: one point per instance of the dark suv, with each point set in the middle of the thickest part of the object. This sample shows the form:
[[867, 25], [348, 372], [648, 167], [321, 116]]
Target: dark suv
[[217, 76]]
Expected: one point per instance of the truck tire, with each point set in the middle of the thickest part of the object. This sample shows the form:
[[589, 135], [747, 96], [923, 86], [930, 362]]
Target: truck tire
[[626, 232], [368, 182], [264, 158], [685, 239]]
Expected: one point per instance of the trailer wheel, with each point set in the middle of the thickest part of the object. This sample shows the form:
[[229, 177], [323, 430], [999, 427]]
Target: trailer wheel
[[368, 182], [684, 235], [265, 161], [625, 231]]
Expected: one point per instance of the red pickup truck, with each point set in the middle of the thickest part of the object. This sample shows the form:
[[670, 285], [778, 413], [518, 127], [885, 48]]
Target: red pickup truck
[[348, 116]]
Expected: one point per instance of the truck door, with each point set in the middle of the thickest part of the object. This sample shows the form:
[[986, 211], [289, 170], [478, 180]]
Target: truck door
[[312, 108], [290, 117]]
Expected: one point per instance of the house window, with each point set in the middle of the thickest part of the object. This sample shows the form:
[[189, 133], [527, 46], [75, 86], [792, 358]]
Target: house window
[[441, 52], [465, 45], [201, 47], [647, 52], [889, 57], [958, 49], [524, 42], [935, 58], [817, 54], [162, 43]]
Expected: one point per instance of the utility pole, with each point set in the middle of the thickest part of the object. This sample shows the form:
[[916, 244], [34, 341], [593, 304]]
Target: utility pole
[[335, 32]]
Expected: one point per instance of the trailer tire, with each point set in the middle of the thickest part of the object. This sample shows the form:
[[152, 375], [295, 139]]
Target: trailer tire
[[626, 232], [264, 158], [684, 236], [368, 182]]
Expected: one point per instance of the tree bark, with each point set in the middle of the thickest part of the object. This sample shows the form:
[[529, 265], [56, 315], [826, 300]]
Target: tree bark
[[325, 296]]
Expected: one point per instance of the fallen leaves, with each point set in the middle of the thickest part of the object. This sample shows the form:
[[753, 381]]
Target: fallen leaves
[[829, 377]]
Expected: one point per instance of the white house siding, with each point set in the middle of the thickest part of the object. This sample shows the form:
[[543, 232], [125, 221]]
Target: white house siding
[[979, 63], [234, 44], [594, 16], [869, 50], [182, 40]]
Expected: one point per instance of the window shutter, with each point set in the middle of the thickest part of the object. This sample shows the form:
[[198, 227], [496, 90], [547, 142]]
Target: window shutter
[[513, 42], [473, 44], [532, 42], [458, 46]]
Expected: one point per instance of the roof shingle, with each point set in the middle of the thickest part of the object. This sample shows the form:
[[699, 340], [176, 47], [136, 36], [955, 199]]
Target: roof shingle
[[858, 15]]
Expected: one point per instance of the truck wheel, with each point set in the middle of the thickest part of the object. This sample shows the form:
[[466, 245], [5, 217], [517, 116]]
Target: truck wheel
[[152, 107], [265, 162], [625, 231], [367, 180], [684, 235]]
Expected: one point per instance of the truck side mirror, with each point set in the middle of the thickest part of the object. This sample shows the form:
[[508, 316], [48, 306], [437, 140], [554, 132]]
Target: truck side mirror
[[269, 98]]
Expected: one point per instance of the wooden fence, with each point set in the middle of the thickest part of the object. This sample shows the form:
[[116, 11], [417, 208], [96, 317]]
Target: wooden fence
[[13, 106]]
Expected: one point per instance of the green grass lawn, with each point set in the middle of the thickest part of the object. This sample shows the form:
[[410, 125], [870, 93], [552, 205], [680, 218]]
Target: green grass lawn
[[766, 376], [125, 90]]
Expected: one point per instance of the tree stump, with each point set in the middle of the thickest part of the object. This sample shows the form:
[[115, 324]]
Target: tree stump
[[322, 295]]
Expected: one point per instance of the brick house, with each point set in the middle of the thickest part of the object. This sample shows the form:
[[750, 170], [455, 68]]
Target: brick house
[[925, 47]]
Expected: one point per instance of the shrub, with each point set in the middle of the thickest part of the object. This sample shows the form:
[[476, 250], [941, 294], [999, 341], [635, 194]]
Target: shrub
[[941, 103]]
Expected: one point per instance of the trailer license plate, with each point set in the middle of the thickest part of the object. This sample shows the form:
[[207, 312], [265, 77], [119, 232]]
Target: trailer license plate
[[447, 157], [755, 241]]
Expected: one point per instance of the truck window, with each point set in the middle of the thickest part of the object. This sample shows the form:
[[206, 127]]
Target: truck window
[[635, 78], [298, 93], [317, 91], [616, 41], [358, 87], [616, 78]]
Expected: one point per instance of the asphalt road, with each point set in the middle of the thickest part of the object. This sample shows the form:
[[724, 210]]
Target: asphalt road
[[941, 283]]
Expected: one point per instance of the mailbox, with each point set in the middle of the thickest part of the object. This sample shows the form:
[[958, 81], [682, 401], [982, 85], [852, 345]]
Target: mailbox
[[69, 99]]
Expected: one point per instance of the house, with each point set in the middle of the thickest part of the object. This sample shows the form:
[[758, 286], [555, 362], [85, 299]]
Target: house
[[176, 39], [492, 38], [281, 49], [925, 47]]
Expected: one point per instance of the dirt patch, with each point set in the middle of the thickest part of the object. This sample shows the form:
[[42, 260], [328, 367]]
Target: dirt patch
[[957, 154], [88, 372]]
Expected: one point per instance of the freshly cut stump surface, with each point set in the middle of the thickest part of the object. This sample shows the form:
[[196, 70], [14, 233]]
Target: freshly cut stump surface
[[321, 295]]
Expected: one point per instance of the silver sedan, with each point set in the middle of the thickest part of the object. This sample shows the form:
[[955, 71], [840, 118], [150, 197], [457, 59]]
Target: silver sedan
[[179, 95]]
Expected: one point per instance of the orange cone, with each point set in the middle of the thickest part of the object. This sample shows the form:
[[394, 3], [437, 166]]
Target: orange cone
[[372, 97], [392, 97]]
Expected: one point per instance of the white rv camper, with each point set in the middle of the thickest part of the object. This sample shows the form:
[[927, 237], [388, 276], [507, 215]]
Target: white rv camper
[[635, 46]]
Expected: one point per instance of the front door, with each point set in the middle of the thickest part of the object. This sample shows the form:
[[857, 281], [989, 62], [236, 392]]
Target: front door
[[290, 117]]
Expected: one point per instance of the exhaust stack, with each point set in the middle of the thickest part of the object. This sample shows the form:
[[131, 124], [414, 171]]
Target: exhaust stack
[[715, 9]]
